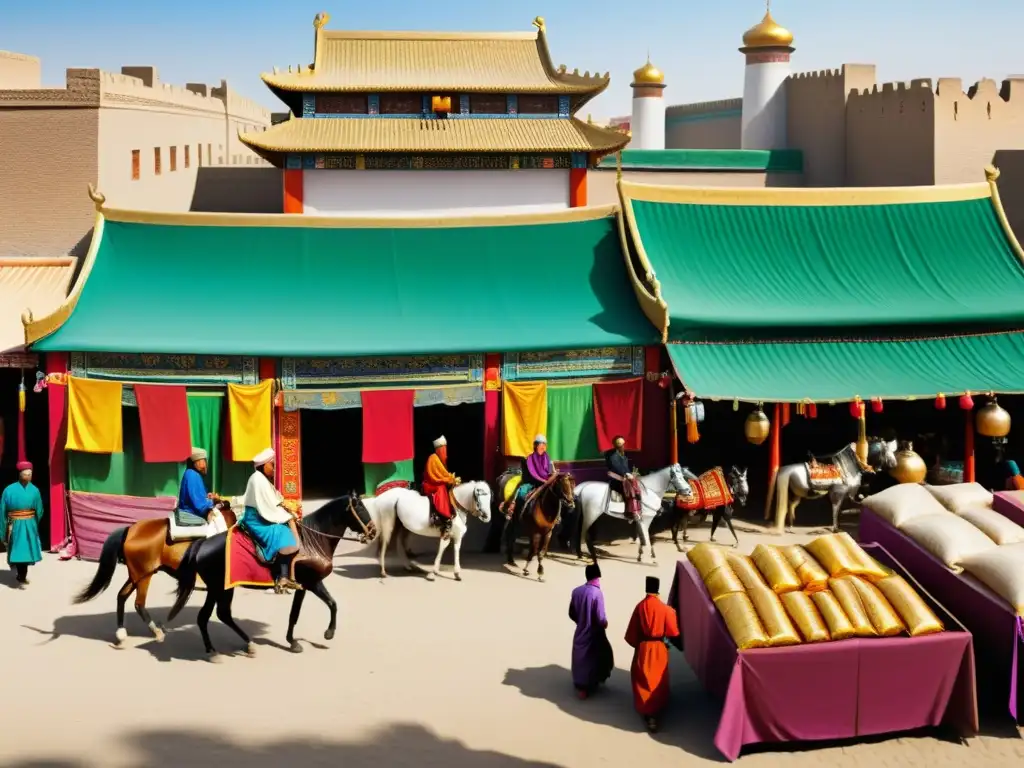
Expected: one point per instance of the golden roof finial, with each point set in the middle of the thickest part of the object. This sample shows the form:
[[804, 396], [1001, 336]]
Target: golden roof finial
[[538, 22], [648, 74], [767, 34], [590, 118], [321, 19], [98, 199], [991, 173]]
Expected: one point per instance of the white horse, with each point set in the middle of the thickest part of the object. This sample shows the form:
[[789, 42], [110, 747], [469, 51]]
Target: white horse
[[594, 499], [413, 511]]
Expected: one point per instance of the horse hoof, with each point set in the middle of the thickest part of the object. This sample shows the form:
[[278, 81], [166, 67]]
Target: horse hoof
[[213, 657], [329, 634], [540, 578], [640, 558], [120, 636], [250, 650], [431, 576], [526, 574], [458, 577], [159, 635], [295, 647]]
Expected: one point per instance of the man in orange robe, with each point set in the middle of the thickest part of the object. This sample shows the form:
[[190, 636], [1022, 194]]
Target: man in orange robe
[[651, 624], [436, 482]]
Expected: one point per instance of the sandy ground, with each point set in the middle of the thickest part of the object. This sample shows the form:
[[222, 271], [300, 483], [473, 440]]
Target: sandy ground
[[445, 673]]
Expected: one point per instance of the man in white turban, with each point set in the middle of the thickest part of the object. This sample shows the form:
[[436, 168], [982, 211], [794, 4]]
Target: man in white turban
[[195, 504], [269, 523]]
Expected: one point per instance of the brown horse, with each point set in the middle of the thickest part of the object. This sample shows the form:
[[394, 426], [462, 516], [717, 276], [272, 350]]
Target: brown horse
[[541, 512], [146, 548]]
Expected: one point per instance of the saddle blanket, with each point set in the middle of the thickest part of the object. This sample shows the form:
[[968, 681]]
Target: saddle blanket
[[709, 492], [385, 487], [244, 567], [821, 476]]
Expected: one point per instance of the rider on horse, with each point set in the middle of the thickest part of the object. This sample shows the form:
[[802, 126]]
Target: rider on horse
[[622, 478], [537, 470], [269, 522], [437, 482], [195, 505]]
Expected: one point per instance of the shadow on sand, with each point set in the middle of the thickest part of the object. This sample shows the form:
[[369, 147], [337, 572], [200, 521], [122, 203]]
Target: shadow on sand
[[689, 723], [396, 746], [183, 640]]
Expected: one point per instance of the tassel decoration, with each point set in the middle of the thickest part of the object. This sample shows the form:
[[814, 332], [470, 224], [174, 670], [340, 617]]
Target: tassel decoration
[[966, 401], [940, 402], [812, 410], [876, 405], [857, 408], [735, 405], [21, 396], [785, 414], [692, 417]]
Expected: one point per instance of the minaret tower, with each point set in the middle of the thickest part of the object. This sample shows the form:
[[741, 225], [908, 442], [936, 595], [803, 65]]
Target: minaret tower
[[767, 47], [648, 121]]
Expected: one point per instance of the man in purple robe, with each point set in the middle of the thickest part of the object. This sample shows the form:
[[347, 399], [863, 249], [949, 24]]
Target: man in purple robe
[[537, 470], [592, 659]]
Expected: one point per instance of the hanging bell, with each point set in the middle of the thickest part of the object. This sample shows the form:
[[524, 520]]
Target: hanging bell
[[757, 427], [992, 420]]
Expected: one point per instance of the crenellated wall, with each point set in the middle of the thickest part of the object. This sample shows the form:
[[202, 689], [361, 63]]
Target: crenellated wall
[[817, 116], [18, 70], [704, 125]]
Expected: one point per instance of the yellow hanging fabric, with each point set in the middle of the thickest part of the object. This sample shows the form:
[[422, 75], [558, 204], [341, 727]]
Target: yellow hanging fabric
[[524, 415], [94, 416], [249, 414]]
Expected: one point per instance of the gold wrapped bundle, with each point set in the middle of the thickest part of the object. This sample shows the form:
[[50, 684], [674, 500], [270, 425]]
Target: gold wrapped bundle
[[706, 558], [919, 618], [723, 581], [812, 575], [839, 625], [747, 572], [883, 617], [774, 619], [801, 610], [849, 599], [842, 556], [774, 566], [871, 569], [742, 622]]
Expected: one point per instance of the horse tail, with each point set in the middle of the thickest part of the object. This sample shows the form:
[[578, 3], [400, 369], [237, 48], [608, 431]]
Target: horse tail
[[111, 555], [187, 572]]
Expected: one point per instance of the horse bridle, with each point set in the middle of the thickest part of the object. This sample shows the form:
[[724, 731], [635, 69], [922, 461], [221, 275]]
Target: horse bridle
[[369, 531], [461, 508]]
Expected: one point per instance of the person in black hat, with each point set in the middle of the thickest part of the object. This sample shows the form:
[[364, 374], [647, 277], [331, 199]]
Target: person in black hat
[[592, 659], [651, 625]]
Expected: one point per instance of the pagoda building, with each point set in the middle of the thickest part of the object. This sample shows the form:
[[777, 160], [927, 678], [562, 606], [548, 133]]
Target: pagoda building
[[454, 123]]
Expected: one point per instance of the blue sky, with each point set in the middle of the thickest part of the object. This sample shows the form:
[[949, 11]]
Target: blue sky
[[693, 42]]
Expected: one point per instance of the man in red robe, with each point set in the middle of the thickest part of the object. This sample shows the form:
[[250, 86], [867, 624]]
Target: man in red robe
[[651, 625], [437, 481]]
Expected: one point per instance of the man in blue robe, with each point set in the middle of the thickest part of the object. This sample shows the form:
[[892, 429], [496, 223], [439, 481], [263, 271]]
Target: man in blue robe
[[21, 509], [194, 502]]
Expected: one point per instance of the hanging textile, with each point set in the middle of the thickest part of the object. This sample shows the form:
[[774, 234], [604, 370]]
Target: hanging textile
[[524, 407], [249, 414], [164, 420], [207, 420], [376, 475], [655, 451], [387, 425], [618, 410], [94, 416], [125, 473], [571, 433]]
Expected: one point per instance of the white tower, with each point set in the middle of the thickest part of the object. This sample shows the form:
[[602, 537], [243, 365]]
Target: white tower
[[767, 47], [648, 122]]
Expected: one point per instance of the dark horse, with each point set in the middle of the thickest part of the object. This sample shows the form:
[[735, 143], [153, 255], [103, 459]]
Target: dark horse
[[738, 488], [319, 534], [146, 548], [539, 516]]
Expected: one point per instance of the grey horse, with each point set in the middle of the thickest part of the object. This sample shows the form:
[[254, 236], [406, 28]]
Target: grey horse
[[793, 483]]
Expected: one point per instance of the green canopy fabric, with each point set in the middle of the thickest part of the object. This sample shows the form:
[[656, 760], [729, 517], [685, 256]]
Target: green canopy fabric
[[572, 434], [207, 415], [843, 370], [375, 475], [340, 290], [738, 269]]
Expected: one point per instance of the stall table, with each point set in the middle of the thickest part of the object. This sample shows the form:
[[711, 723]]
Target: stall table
[[834, 690], [1010, 504]]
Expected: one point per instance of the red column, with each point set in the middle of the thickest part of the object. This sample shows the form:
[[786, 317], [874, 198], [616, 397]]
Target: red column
[[293, 191], [492, 415], [56, 396], [969, 446], [774, 456], [577, 187]]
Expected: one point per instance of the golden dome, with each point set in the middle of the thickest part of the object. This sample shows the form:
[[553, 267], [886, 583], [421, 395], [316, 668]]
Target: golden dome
[[648, 74], [767, 34]]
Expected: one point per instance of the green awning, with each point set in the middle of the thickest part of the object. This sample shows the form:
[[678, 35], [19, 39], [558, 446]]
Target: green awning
[[734, 263], [318, 287], [844, 370], [756, 160]]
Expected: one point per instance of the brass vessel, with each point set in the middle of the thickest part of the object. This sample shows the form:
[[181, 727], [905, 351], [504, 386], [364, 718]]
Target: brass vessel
[[757, 427], [910, 467], [992, 420]]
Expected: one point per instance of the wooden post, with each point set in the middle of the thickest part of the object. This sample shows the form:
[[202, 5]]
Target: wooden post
[[293, 191], [774, 458], [969, 446], [577, 187]]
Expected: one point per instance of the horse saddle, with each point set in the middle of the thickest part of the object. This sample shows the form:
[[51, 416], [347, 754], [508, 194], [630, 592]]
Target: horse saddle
[[615, 504], [822, 475], [181, 531]]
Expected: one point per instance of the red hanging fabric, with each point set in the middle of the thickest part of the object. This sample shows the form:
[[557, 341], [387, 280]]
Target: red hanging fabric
[[618, 410], [164, 422], [387, 425]]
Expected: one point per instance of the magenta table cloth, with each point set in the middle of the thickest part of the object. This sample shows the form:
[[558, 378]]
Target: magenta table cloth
[[835, 690], [998, 631], [94, 516], [1010, 504]]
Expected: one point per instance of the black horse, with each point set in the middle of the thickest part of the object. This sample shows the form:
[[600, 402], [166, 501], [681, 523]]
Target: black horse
[[319, 534]]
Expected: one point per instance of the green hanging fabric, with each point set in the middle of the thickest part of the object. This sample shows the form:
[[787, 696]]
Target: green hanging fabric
[[375, 475], [572, 434], [126, 473], [206, 413]]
